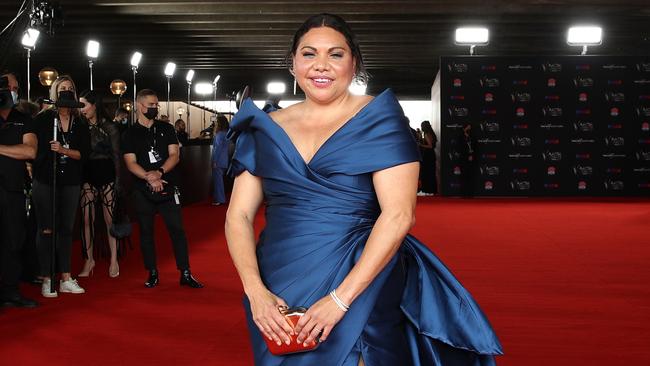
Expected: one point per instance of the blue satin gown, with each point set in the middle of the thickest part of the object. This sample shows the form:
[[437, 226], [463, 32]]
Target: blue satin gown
[[318, 218]]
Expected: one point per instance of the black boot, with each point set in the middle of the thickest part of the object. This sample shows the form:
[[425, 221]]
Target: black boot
[[188, 280], [152, 281]]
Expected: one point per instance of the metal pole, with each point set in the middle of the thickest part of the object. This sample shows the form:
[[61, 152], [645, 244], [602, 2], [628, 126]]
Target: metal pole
[[29, 52], [168, 87], [55, 158], [135, 71], [189, 89], [90, 66]]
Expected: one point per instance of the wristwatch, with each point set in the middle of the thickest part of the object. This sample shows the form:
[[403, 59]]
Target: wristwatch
[[161, 170]]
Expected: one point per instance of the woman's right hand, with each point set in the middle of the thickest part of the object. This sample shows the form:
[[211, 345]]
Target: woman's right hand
[[265, 309]]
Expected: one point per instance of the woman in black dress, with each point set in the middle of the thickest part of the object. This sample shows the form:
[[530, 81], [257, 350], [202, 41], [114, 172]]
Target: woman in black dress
[[100, 179]]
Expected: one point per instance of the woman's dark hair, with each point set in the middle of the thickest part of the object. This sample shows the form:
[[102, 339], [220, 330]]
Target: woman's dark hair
[[222, 123], [338, 24], [427, 129], [95, 99]]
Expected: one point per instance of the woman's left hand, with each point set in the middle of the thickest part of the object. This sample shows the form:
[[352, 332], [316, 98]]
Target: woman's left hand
[[321, 317], [57, 147]]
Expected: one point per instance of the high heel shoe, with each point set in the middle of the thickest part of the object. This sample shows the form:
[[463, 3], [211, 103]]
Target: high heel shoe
[[152, 281], [88, 269], [114, 271]]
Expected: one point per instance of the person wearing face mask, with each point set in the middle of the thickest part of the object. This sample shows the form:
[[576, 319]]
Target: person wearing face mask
[[72, 145], [17, 144], [150, 151], [100, 179]]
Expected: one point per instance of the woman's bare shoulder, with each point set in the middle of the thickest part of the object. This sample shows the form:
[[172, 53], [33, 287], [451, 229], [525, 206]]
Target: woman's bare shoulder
[[287, 114]]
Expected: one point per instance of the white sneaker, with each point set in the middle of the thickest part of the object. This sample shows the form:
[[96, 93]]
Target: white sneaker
[[45, 289], [70, 286]]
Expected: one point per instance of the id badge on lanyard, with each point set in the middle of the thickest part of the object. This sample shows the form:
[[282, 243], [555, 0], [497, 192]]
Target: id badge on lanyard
[[154, 156]]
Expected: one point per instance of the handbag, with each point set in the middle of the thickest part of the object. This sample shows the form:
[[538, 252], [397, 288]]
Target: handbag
[[158, 197], [121, 227], [293, 315]]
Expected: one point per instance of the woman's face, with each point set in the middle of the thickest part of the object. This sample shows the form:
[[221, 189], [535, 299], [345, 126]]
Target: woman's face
[[89, 110], [323, 65], [65, 85]]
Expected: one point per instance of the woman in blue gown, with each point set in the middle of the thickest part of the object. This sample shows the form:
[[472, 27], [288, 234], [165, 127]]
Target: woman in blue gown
[[338, 175]]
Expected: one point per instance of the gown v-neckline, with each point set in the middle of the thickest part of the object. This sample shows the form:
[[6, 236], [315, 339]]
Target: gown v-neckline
[[327, 140]]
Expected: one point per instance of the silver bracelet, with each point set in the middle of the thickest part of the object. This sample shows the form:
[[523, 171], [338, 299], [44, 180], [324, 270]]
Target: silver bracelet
[[343, 306]]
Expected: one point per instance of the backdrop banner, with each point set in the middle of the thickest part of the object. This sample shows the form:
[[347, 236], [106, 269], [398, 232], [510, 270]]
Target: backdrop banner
[[545, 126]]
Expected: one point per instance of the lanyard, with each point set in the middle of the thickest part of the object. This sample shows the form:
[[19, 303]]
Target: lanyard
[[153, 146], [70, 127]]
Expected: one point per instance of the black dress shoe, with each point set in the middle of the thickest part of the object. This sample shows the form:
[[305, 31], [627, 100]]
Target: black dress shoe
[[188, 280], [18, 301], [152, 281]]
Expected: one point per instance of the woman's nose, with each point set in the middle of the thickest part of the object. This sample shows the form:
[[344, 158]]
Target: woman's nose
[[321, 64]]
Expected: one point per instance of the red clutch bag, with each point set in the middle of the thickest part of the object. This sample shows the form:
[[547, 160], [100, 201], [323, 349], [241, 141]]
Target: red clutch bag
[[293, 316]]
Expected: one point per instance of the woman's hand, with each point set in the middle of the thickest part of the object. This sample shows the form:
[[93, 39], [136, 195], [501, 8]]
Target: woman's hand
[[57, 147], [267, 317], [321, 317]]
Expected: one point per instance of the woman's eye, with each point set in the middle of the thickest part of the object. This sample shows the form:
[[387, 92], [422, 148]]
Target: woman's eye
[[307, 54], [337, 55]]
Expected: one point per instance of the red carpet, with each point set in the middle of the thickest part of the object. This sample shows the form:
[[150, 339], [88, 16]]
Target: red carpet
[[564, 282]]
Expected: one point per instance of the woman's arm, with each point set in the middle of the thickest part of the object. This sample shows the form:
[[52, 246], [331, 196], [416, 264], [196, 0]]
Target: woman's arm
[[246, 198], [428, 142], [395, 188]]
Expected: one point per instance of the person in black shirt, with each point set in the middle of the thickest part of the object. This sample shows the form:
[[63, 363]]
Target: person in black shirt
[[17, 144], [182, 136], [151, 153], [71, 147]]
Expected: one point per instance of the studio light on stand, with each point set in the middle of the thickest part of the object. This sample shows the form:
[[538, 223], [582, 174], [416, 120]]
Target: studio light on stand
[[169, 73], [188, 77], [472, 37], [29, 43], [92, 51], [203, 89], [135, 61], [118, 87], [47, 75], [584, 36], [276, 87], [214, 87]]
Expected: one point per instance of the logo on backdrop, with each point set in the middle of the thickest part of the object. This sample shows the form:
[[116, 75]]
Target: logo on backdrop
[[551, 170], [582, 126], [582, 82], [520, 97], [643, 66], [615, 97], [582, 185], [489, 126], [457, 83], [489, 185], [518, 185], [615, 141], [583, 170], [614, 185], [551, 67], [552, 111], [489, 82], [552, 156], [552, 186], [489, 97], [551, 82], [488, 67], [457, 67], [611, 67], [521, 141], [645, 126], [614, 156], [490, 170]]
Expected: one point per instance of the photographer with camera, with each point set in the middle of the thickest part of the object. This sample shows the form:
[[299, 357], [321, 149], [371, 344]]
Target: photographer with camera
[[17, 144], [150, 150]]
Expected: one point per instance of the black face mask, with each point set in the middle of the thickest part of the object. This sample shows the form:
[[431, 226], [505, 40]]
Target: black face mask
[[151, 113]]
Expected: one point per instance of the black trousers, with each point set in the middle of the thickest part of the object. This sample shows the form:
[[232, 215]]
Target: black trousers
[[12, 235], [171, 214], [67, 205]]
